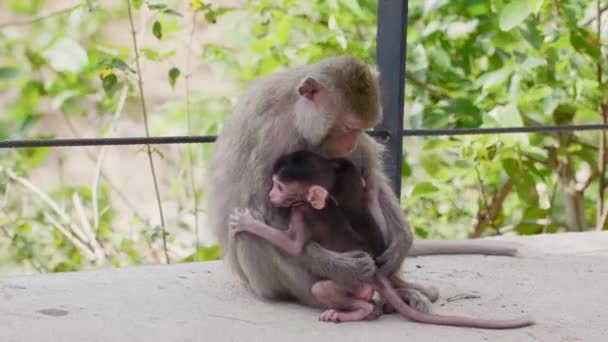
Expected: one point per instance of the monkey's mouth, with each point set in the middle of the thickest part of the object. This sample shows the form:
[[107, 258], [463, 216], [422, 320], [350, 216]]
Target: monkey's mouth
[[298, 203]]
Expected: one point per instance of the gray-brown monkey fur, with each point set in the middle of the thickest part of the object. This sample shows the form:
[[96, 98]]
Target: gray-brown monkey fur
[[270, 120]]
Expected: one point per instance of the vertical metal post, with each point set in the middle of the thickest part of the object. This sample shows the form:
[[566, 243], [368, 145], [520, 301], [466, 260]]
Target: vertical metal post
[[391, 54]]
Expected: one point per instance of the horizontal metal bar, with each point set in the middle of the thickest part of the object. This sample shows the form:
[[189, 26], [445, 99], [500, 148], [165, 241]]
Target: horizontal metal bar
[[427, 132], [209, 139], [106, 141]]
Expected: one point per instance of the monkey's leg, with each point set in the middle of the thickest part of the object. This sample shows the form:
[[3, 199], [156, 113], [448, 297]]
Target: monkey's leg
[[271, 274], [335, 297]]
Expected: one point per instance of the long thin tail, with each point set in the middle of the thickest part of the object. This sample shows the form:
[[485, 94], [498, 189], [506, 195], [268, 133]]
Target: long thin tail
[[434, 247], [387, 291]]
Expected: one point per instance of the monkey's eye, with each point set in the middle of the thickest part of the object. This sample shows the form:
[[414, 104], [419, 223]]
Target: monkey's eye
[[345, 129], [350, 130]]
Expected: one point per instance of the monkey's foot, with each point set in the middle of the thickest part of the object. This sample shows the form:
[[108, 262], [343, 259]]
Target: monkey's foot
[[336, 316], [413, 298], [376, 312]]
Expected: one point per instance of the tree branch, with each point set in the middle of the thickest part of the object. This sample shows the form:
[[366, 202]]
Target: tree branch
[[600, 11], [145, 114], [603, 220], [601, 167], [190, 148], [77, 238], [428, 87], [493, 210], [40, 17]]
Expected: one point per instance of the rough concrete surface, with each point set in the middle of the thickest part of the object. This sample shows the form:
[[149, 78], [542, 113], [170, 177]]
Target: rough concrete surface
[[561, 280]]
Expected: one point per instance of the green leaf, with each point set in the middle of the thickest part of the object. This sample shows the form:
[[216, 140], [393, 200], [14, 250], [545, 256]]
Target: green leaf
[[109, 84], [173, 75], [467, 114], [172, 12], [406, 169], [66, 55], [494, 79], [431, 164], [196, 5], [535, 152], [563, 114], [514, 13], [524, 183], [35, 155], [282, 31], [8, 72], [353, 6], [121, 65], [423, 188], [511, 166], [421, 232], [585, 42], [157, 30], [528, 228], [156, 6], [137, 3], [536, 5], [532, 34], [439, 58], [205, 254]]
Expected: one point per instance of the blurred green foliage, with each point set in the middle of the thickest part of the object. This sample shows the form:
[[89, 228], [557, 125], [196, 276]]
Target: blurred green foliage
[[470, 63]]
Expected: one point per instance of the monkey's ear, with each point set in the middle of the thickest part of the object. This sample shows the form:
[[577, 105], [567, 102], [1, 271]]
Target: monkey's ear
[[316, 196], [310, 88]]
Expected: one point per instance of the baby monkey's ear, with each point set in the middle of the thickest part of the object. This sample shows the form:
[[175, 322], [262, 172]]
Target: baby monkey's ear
[[316, 196]]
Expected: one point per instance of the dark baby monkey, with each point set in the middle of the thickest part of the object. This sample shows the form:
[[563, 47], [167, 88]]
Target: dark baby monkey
[[326, 199]]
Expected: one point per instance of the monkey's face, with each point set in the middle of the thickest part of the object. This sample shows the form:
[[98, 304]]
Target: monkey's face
[[342, 139], [285, 194]]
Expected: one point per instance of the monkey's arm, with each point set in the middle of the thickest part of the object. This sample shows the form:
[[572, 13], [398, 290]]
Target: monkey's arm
[[292, 240], [399, 235]]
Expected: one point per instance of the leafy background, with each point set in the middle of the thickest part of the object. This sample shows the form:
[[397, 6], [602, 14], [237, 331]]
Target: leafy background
[[69, 69]]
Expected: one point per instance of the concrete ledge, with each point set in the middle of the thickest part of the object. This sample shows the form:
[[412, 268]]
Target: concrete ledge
[[561, 280]]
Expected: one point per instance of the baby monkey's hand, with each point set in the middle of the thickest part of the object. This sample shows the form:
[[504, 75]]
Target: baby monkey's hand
[[241, 220]]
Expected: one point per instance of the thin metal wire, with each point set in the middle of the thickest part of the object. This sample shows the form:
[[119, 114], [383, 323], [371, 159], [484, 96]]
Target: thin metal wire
[[502, 130], [209, 139]]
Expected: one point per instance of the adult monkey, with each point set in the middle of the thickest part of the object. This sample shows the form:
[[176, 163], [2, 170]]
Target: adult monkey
[[322, 107]]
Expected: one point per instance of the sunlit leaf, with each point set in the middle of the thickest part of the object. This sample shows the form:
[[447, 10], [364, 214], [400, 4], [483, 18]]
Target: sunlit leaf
[[424, 188], [66, 55], [514, 13], [494, 79]]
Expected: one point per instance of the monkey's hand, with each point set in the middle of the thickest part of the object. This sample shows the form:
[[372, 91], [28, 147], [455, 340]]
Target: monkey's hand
[[392, 258], [241, 220], [348, 269]]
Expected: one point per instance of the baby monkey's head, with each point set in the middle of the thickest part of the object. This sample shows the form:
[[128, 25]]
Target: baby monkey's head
[[302, 177]]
